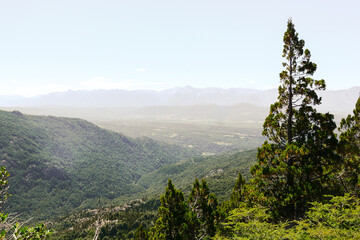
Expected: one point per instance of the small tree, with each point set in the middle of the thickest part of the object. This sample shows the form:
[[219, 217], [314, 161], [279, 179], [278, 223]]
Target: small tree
[[172, 222], [204, 206], [236, 197], [141, 233], [297, 164]]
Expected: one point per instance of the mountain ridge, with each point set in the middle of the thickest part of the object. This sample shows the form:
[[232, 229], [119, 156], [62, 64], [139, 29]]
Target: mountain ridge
[[338, 101]]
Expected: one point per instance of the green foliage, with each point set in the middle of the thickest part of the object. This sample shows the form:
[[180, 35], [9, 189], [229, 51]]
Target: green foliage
[[299, 163], [337, 219], [12, 229], [250, 223], [349, 148], [141, 233], [237, 196], [219, 171], [204, 206], [4, 195], [116, 222], [173, 214], [296, 93], [31, 233], [177, 219], [341, 213]]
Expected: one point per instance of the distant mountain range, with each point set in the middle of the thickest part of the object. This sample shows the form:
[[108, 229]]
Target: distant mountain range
[[185, 96], [337, 101]]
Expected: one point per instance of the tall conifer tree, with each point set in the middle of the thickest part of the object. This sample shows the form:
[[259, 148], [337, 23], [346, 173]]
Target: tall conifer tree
[[298, 161]]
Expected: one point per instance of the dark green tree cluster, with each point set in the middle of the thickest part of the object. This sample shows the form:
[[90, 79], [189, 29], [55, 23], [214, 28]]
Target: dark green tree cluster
[[197, 218], [177, 219], [173, 215]]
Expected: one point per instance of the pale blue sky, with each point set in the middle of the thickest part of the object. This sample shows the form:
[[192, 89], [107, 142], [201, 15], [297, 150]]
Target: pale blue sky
[[51, 45]]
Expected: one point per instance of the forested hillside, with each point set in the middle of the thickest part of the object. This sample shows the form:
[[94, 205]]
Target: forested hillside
[[122, 221], [220, 172], [60, 164]]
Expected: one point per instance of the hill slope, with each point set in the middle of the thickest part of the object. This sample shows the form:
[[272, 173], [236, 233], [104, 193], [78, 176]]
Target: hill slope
[[121, 222], [219, 171], [60, 164]]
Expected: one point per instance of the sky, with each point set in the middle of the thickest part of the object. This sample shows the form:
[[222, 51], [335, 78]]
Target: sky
[[58, 45]]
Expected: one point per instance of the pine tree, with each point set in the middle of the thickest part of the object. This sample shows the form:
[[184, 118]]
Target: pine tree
[[349, 148], [237, 196], [172, 223], [141, 233], [298, 162], [204, 205]]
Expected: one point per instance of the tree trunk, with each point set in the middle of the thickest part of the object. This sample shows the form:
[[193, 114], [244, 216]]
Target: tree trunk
[[290, 176]]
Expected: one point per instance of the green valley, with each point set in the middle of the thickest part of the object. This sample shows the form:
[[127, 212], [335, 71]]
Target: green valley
[[220, 172], [207, 137], [58, 165]]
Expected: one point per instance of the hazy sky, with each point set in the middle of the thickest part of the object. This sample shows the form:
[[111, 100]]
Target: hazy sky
[[51, 45]]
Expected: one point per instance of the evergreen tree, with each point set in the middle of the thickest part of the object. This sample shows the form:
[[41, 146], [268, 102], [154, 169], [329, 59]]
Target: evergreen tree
[[297, 164], [141, 233], [349, 148], [204, 205], [236, 197], [173, 213]]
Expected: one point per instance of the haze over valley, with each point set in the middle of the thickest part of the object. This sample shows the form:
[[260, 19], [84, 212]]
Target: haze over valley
[[211, 120]]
